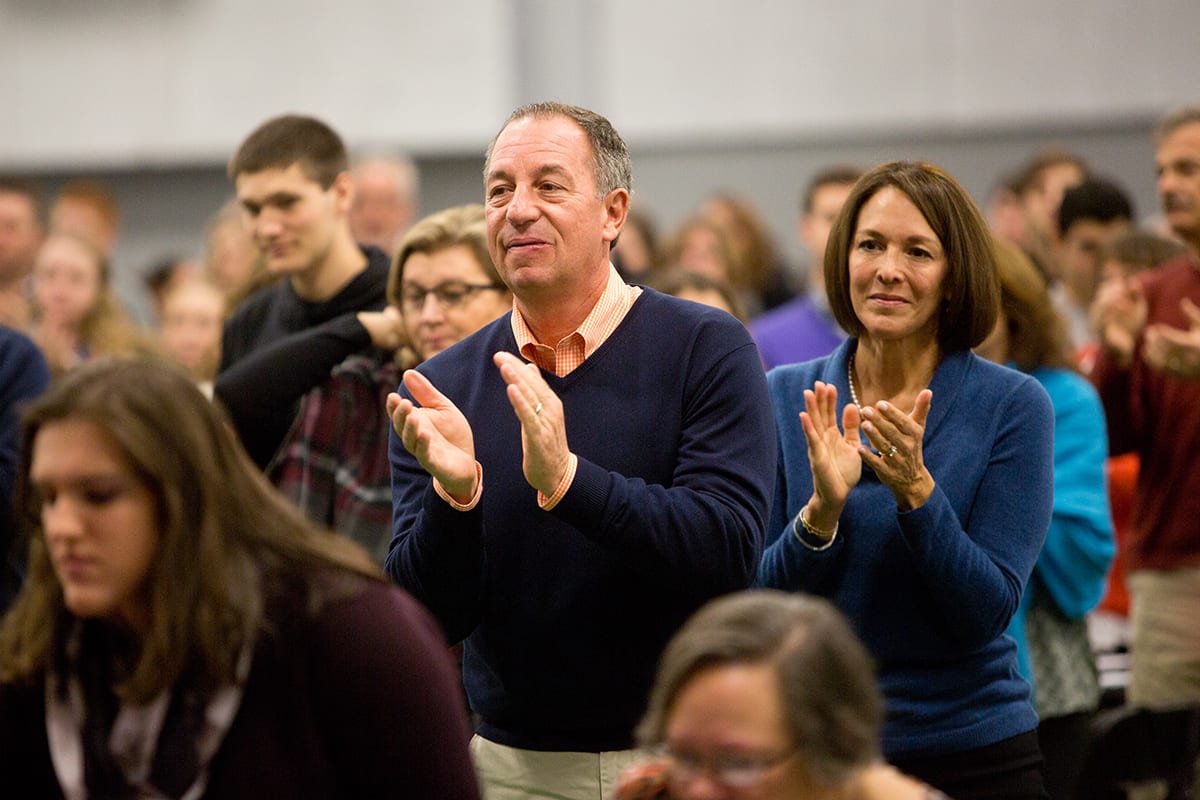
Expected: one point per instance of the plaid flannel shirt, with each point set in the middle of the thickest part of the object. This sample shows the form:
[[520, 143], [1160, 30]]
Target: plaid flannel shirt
[[333, 464]]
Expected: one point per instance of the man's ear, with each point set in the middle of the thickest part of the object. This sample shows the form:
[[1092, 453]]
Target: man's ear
[[616, 209], [343, 192]]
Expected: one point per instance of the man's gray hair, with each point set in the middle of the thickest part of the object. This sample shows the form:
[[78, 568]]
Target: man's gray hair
[[1176, 120], [611, 166]]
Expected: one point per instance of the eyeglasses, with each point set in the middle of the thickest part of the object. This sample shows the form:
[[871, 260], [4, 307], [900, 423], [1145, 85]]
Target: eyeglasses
[[736, 771], [450, 294]]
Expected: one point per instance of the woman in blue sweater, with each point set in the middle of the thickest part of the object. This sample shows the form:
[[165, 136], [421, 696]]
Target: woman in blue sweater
[[914, 484]]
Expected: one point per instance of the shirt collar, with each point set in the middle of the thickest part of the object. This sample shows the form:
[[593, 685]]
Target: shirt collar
[[615, 301]]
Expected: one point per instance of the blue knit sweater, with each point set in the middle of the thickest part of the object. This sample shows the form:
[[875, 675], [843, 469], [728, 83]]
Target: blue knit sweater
[[565, 612], [931, 590]]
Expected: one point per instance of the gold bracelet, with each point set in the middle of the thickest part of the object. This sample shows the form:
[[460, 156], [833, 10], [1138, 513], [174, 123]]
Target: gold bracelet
[[827, 537]]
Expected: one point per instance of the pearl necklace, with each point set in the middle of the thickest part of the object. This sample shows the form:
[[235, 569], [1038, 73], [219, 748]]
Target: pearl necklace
[[850, 380]]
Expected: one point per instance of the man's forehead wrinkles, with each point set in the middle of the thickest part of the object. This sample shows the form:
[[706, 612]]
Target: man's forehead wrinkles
[[531, 164]]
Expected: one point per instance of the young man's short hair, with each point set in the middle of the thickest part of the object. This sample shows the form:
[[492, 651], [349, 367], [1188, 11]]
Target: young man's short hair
[[1095, 199], [292, 139]]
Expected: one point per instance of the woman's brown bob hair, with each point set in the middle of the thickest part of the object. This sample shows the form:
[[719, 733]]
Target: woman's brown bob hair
[[229, 542], [827, 689], [969, 310]]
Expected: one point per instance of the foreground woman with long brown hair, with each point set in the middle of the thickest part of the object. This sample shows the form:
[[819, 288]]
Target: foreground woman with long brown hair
[[183, 632]]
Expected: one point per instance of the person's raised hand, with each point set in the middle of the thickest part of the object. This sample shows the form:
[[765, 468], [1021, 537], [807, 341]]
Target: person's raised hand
[[832, 452], [543, 430], [385, 327], [1118, 314], [1173, 351], [899, 437], [436, 433]]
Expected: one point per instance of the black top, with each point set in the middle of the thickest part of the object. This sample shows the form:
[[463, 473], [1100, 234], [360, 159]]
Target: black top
[[358, 699], [260, 385]]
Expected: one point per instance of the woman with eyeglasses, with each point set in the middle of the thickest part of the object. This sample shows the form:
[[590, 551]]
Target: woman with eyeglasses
[[765, 695], [442, 287], [444, 282]]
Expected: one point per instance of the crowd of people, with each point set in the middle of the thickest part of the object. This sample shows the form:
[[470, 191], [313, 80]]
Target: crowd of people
[[656, 516]]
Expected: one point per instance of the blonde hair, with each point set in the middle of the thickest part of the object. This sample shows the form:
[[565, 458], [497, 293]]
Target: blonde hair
[[106, 329], [459, 225]]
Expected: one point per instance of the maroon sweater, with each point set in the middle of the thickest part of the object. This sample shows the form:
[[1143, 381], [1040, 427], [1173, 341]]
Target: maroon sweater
[[360, 701], [1158, 417]]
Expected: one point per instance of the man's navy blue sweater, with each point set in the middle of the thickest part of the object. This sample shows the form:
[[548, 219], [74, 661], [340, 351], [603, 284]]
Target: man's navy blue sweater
[[565, 612]]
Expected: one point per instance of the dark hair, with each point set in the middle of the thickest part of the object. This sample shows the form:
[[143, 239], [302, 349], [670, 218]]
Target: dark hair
[[674, 280], [229, 541], [30, 191], [1029, 177], [645, 226], [292, 139], [611, 166], [1095, 199], [671, 250], [969, 312], [837, 175], [831, 704], [1037, 332], [1143, 250], [753, 244], [162, 271]]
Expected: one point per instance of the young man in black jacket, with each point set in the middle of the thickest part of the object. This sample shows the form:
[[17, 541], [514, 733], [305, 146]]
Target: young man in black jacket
[[295, 192]]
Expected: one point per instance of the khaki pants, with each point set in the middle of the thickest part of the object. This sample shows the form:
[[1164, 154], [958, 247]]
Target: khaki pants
[[1166, 637], [508, 773], [1165, 641]]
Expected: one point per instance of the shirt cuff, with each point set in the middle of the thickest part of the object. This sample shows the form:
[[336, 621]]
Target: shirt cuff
[[474, 501], [548, 503]]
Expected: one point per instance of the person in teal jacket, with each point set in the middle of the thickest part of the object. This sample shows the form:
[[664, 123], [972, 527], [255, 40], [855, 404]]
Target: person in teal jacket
[[1053, 649]]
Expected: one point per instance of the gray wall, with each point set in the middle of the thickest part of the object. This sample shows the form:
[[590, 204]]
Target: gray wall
[[753, 96]]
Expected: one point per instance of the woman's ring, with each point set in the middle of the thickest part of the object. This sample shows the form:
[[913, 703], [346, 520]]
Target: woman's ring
[[537, 410], [890, 453]]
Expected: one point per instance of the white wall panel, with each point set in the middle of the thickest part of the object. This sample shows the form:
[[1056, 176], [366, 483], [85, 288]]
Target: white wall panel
[[716, 68], [148, 81]]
